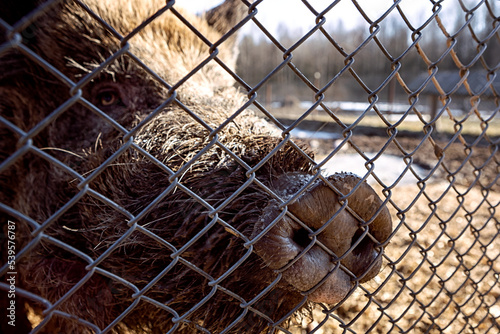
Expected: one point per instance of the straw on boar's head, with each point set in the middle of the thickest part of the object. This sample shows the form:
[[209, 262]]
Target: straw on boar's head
[[145, 196]]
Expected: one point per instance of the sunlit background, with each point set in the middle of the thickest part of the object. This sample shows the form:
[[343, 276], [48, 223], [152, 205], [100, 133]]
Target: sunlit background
[[371, 41], [295, 16]]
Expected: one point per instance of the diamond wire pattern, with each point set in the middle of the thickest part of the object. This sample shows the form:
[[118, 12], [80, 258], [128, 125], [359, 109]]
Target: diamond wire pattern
[[406, 308]]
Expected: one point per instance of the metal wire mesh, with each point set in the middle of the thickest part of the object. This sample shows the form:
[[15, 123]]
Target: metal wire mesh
[[440, 271]]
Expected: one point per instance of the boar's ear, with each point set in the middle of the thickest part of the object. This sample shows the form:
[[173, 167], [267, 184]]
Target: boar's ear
[[222, 19], [12, 11], [226, 15]]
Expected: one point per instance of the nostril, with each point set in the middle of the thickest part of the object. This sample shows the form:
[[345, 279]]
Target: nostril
[[364, 246], [301, 237]]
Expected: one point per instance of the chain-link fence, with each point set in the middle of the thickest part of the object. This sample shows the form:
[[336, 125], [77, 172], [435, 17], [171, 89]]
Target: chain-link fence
[[153, 183]]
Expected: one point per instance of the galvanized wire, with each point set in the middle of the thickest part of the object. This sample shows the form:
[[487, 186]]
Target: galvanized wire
[[413, 293]]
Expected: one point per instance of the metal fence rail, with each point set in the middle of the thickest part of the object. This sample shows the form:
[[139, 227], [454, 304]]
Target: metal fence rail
[[438, 128]]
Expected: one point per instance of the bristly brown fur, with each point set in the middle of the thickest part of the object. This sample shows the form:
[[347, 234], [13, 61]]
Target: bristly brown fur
[[76, 44], [142, 191]]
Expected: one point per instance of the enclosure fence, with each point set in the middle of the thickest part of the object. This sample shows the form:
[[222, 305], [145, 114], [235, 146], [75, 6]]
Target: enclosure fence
[[428, 101]]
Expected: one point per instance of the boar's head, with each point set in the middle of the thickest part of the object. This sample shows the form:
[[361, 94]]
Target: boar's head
[[146, 197]]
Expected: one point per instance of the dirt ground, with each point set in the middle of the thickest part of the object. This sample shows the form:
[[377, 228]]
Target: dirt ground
[[441, 268]]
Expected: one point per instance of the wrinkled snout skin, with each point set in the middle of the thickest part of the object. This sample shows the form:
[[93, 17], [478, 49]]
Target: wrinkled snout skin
[[315, 270], [144, 209]]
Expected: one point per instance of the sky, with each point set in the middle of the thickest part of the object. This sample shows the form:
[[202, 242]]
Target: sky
[[296, 16]]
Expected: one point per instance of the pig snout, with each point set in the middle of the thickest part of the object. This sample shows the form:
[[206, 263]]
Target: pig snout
[[319, 245]]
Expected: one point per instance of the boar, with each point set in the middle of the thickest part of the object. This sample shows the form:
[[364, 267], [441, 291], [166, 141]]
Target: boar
[[145, 197]]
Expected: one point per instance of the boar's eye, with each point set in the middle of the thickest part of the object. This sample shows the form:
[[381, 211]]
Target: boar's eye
[[108, 97]]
